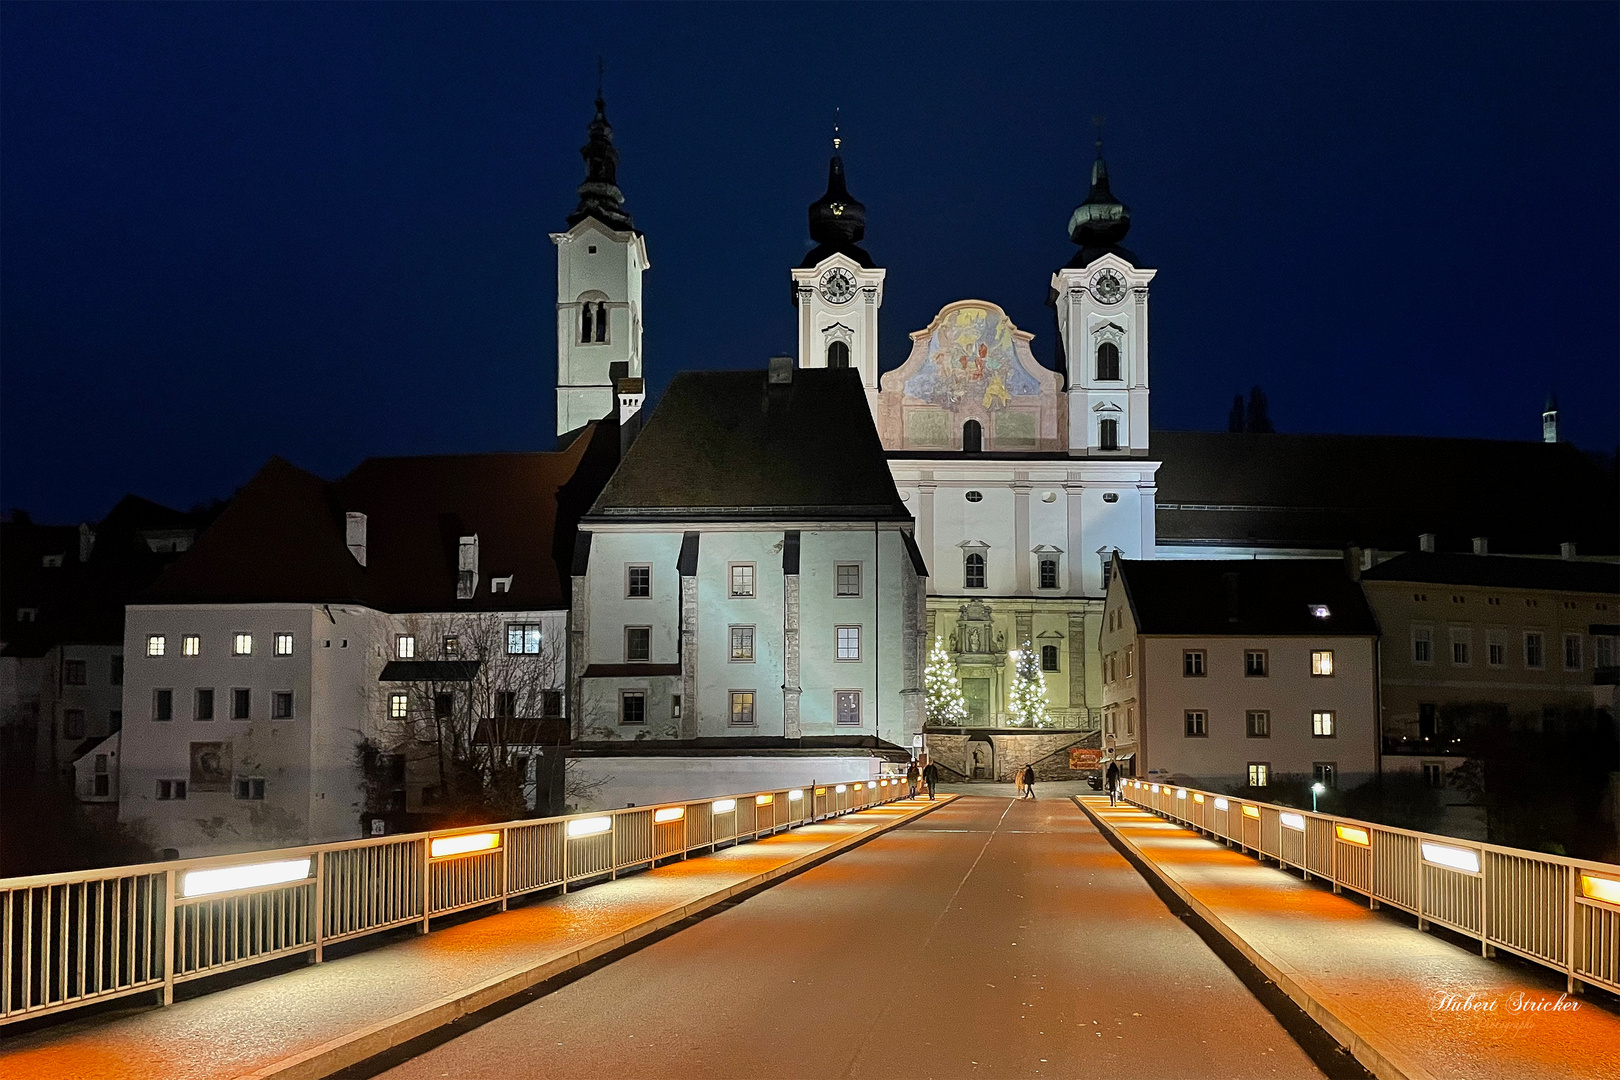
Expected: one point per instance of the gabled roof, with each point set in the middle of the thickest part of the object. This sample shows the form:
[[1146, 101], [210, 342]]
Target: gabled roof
[[1244, 596], [724, 444], [1498, 571]]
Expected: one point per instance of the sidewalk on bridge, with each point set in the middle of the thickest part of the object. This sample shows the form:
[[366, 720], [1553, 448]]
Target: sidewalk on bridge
[[1408, 1004], [315, 1020]]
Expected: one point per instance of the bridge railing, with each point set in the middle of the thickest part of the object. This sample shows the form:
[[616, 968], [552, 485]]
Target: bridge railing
[[1560, 912], [72, 939]]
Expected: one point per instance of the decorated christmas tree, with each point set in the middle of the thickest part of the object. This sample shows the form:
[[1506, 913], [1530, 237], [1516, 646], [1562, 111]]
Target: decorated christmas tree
[[945, 702], [1028, 705]]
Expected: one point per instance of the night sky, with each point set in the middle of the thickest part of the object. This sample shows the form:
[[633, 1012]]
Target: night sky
[[320, 230]]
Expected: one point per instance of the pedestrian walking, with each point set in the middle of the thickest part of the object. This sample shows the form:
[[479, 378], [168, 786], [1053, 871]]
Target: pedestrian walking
[[930, 775], [1113, 783], [913, 774], [1018, 782], [1028, 778]]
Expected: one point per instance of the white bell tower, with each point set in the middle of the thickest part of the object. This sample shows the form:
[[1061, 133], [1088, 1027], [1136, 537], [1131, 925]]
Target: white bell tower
[[837, 289], [600, 260]]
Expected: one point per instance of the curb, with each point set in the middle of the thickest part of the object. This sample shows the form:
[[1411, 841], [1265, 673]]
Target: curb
[[373, 1039], [1374, 1052]]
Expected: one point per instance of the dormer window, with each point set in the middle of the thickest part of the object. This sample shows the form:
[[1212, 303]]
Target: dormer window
[[501, 584], [1108, 362]]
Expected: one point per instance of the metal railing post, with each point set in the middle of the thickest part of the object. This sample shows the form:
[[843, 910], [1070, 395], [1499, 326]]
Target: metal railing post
[[613, 847], [168, 937], [320, 906], [1569, 931], [427, 881], [506, 865]]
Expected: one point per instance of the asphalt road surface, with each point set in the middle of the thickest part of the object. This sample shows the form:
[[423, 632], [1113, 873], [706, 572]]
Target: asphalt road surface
[[991, 938]]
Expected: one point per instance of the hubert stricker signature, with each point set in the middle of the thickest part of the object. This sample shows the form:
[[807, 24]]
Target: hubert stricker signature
[[1515, 1004]]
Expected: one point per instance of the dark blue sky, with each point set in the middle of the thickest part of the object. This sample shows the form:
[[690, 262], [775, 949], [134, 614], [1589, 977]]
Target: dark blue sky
[[319, 230]]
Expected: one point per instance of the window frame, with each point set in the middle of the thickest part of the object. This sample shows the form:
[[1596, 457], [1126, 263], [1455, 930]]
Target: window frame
[[157, 645], [1422, 635], [1056, 657], [1195, 724], [523, 629], [734, 634], [839, 697], [248, 788], [1257, 723], [277, 698], [628, 694], [1495, 651], [838, 580], [732, 697], [1317, 658], [404, 646], [247, 713], [1538, 639], [1325, 773], [838, 644], [969, 566], [197, 699], [1264, 668], [645, 659], [1041, 565], [1461, 638], [190, 644], [1580, 652], [162, 704], [630, 584], [171, 791], [1101, 371], [1194, 659], [279, 639], [1263, 774], [241, 643], [752, 572], [1324, 718], [1108, 433], [75, 672], [399, 706]]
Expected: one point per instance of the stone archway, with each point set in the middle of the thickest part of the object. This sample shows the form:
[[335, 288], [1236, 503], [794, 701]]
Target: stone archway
[[981, 758]]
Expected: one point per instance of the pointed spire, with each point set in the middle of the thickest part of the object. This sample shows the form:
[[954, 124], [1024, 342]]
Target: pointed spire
[[837, 219], [599, 195], [1102, 220]]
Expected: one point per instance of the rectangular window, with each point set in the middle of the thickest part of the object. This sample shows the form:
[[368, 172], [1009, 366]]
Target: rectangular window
[[1434, 774], [1197, 723], [1462, 646], [1422, 645], [742, 580], [637, 644], [116, 675], [1322, 662], [523, 639], [102, 780], [1496, 653], [1256, 663], [1192, 664], [242, 644], [506, 704], [1325, 773], [155, 644], [849, 643], [73, 723], [284, 644], [1130, 655], [450, 647], [849, 578], [1257, 724], [281, 705], [202, 703], [1259, 773], [73, 672], [1049, 657], [1533, 650], [1322, 724], [162, 704], [191, 645], [399, 706], [742, 643], [241, 704], [1572, 652], [1603, 650], [847, 708], [551, 703], [171, 789], [1049, 577], [249, 787], [638, 582], [405, 646], [742, 708], [444, 706]]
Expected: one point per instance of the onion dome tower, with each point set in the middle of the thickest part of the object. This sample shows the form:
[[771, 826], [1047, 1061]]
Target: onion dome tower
[[837, 219], [1100, 222], [599, 195]]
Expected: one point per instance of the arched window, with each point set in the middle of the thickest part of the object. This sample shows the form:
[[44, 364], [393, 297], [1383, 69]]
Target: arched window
[[837, 355], [1108, 361], [1108, 434], [973, 569], [587, 322], [972, 437], [593, 319], [601, 320]]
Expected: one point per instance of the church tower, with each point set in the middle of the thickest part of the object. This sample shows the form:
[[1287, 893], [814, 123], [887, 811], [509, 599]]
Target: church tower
[[837, 289], [1101, 297], [600, 260]]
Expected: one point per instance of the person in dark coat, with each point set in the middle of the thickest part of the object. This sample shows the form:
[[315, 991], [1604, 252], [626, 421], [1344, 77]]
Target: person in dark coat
[[930, 775], [1112, 780], [1029, 781], [913, 774]]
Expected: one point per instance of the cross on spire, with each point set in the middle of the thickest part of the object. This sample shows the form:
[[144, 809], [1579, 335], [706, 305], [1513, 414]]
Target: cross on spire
[[837, 139]]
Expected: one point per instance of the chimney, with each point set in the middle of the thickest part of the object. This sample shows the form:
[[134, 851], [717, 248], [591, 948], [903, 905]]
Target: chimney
[[467, 568], [1426, 542], [1482, 545], [87, 542], [631, 395], [1566, 550], [354, 528], [781, 371], [1354, 561]]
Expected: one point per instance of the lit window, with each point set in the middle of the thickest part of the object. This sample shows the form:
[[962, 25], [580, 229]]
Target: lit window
[[1321, 661], [405, 646], [849, 643], [742, 708], [1533, 650], [637, 644], [249, 787], [241, 704], [162, 704], [973, 571], [742, 642], [742, 580], [1130, 654], [1325, 773], [242, 644], [632, 707], [1572, 652], [191, 645], [1049, 657], [399, 706], [450, 647], [1258, 724], [1049, 575], [1197, 725], [1422, 645], [523, 639], [1320, 611], [849, 579], [847, 706], [281, 705], [1255, 663], [155, 644], [638, 582], [1259, 773], [284, 644], [1192, 664], [1322, 724]]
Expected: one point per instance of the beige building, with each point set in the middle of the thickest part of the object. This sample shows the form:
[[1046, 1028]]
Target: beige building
[[1232, 673]]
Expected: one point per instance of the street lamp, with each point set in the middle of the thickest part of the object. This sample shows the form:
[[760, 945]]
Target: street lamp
[[1316, 789]]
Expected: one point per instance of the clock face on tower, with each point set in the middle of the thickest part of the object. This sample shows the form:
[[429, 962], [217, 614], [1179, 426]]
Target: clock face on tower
[[1108, 286], [837, 285]]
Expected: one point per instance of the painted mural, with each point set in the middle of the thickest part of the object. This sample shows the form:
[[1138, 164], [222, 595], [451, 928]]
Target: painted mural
[[970, 356]]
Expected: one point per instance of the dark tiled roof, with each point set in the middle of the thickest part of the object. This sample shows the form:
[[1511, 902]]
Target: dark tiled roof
[[1381, 491], [1496, 571], [723, 444], [429, 671], [1244, 596]]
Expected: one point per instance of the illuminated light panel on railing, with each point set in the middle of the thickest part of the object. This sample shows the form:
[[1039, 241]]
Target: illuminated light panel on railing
[[795, 795], [821, 791], [465, 844], [1251, 811], [1294, 821], [1181, 793], [1220, 803], [764, 800], [1605, 889], [871, 785], [840, 789], [1198, 796], [1352, 835], [724, 806], [1456, 858], [589, 826], [227, 878], [668, 814], [1154, 788]]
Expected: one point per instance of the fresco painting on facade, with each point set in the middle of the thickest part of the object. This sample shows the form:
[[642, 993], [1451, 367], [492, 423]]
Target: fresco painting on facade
[[970, 352]]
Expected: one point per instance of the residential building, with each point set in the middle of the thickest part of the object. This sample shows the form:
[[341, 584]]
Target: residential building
[[1234, 673]]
